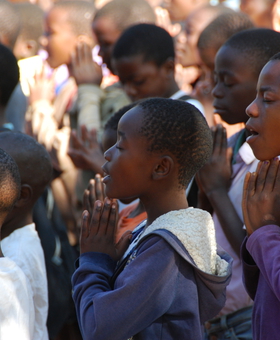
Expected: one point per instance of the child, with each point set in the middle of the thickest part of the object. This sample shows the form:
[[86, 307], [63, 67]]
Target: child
[[237, 65], [161, 144], [16, 312], [260, 250], [143, 58], [19, 239]]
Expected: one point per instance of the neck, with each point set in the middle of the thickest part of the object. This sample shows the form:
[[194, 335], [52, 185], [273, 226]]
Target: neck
[[15, 222], [172, 89], [162, 204]]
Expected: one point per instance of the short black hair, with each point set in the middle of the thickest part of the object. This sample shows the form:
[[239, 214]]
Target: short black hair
[[258, 45], [179, 128], [221, 29], [10, 182], [9, 74], [32, 159], [9, 23], [150, 41], [32, 20], [113, 121], [125, 13], [80, 15]]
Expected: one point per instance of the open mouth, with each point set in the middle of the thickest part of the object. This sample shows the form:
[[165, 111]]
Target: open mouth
[[253, 134]]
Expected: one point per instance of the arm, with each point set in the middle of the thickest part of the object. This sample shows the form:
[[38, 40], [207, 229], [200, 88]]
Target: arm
[[130, 306], [94, 298], [215, 179]]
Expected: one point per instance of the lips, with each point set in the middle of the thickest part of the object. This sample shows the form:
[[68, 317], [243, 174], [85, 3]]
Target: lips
[[106, 176], [253, 133]]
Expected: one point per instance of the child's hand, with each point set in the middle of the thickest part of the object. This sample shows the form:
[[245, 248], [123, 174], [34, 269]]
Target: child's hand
[[261, 196], [43, 87], [98, 232], [216, 174], [85, 151], [83, 68], [94, 192]]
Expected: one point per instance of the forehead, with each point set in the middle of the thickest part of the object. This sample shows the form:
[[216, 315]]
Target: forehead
[[106, 28], [133, 64], [270, 75], [58, 17], [232, 60], [131, 121]]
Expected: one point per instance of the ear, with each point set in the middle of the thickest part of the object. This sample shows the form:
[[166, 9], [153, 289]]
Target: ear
[[26, 194], [163, 168], [169, 67]]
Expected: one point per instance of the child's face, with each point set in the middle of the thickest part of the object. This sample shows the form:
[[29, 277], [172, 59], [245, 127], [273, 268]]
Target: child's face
[[235, 85], [264, 113], [129, 164], [143, 79], [59, 40], [106, 34]]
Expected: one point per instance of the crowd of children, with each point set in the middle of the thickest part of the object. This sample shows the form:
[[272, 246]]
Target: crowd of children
[[139, 170]]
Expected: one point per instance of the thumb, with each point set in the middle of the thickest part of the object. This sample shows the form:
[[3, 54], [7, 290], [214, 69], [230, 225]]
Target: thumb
[[123, 243]]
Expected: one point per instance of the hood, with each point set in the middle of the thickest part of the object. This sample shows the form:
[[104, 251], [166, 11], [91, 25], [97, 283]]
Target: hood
[[191, 233]]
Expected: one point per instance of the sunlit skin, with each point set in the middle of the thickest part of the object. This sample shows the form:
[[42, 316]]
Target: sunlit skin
[[59, 39], [143, 79], [106, 34], [235, 85], [131, 171], [264, 122], [260, 11]]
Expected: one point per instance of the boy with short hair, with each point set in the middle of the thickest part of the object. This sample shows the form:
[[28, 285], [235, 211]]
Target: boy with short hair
[[260, 249], [237, 65], [19, 238], [144, 60], [161, 144]]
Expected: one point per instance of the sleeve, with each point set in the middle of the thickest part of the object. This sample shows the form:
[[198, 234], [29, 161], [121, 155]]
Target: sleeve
[[17, 312], [250, 271], [264, 247], [89, 105], [143, 291]]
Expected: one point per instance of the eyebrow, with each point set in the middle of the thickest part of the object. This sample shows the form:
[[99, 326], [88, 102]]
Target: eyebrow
[[266, 88], [120, 133]]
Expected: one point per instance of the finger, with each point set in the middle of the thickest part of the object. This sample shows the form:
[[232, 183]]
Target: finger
[[85, 226], [105, 216], [86, 204], [96, 218], [112, 222], [271, 175], [261, 175], [99, 191], [217, 140], [84, 133], [87, 53], [92, 196]]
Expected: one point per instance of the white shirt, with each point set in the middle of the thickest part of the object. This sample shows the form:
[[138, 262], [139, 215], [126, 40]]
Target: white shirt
[[16, 307], [23, 246]]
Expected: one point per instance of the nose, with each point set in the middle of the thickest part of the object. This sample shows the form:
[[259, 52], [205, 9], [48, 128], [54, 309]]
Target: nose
[[108, 153], [253, 110], [43, 40], [217, 91]]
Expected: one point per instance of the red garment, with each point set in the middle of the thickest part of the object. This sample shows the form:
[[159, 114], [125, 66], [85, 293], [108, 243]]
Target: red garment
[[125, 223]]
